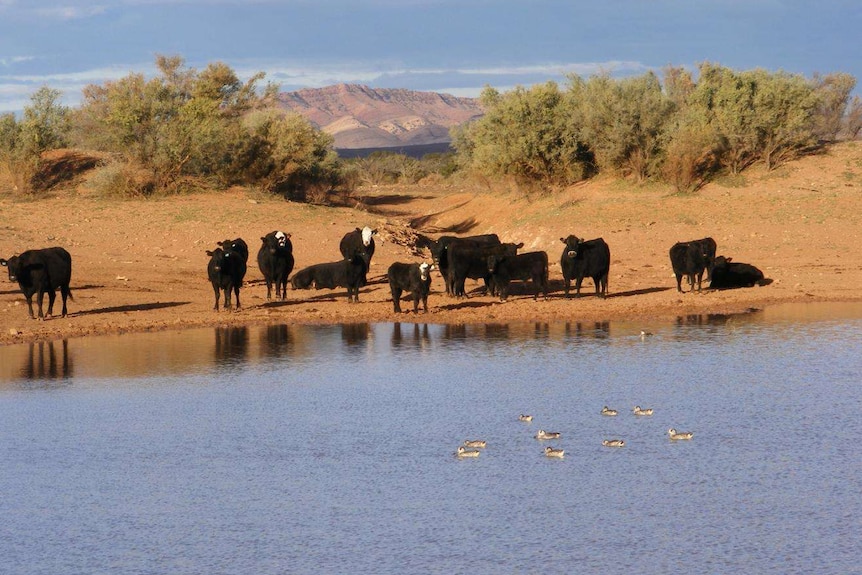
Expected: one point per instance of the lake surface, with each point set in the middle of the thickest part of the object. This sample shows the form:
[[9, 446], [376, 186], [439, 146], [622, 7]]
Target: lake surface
[[330, 449]]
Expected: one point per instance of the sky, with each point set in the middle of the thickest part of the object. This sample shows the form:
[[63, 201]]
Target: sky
[[456, 47]]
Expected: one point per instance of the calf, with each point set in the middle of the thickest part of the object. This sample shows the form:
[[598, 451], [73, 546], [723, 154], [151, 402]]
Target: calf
[[707, 247], [585, 258], [41, 271], [728, 275], [413, 278], [440, 251], [349, 273], [238, 245], [275, 260], [358, 242], [688, 259], [467, 260], [530, 266], [226, 270]]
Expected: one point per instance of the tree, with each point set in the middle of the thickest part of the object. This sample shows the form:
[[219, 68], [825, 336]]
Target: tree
[[833, 93], [624, 121], [784, 105]]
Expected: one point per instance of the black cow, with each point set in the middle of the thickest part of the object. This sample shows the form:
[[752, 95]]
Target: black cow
[[238, 245], [413, 278], [226, 270], [728, 275], [530, 266], [275, 260], [440, 251], [585, 258], [358, 242], [708, 248], [349, 273], [467, 260], [688, 259], [41, 271]]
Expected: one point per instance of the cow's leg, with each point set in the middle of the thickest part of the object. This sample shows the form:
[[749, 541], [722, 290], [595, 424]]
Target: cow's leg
[[236, 293], [217, 294], [578, 281], [52, 297], [269, 289], [396, 299], [40, 298], [30, 306], [227, 295], [567, 283], [425, 302], [679, 283], [65, 293]]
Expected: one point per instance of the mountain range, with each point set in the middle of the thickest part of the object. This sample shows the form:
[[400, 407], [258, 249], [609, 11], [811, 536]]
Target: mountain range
[[359, 117]]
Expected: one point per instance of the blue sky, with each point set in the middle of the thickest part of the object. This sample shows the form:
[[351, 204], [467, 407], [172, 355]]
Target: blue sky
[[438, 45]]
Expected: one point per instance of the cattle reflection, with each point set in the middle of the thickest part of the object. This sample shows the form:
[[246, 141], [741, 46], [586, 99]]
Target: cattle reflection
[[48, 360], [231, 344], [276, 340], [354, 334], [418, 337], [702, 319], [596, 329], [454, 331], [497, 331]]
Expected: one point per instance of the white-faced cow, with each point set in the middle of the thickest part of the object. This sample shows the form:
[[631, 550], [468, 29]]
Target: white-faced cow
[[349, 273], [530, 266], [39, 272], [413, 278], [729, 275], [585, 258], [359, 241], [226, 270], [688, 259], [275, 260]]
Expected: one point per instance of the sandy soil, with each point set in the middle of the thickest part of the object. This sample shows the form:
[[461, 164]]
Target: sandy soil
[[140, 265]]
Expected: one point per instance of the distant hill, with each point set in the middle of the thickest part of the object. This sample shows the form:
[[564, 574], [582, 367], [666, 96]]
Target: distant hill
[[363, 118]]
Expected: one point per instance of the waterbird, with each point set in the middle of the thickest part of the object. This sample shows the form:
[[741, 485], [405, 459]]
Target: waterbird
[[526, 418], [551, 452], [547, 434], [638, 411], [464, 452], [474, 443], [607, 411], [614, 443], [674, 434]]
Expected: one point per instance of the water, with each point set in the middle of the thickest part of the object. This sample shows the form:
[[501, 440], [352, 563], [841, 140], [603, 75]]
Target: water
[[329, 449]]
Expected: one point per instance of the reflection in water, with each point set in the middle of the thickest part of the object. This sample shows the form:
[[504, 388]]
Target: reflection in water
[[496, 331], [354, 334], [43, 363], [454, 331], [276, 341], [231, 344], [420, 338], [597, 329]]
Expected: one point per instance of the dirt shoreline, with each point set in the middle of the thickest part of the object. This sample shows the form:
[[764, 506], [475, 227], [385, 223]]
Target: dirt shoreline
[[140, 265]]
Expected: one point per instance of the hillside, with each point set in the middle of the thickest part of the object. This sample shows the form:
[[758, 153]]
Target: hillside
[[140, 265], [362, 117]]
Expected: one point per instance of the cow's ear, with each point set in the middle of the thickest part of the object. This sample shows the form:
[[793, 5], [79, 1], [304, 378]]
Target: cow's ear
[[3, 262], [563, 240], [374, 231], [209, 253], [520, 245], [287, 236], [728, 259], [263, 239], [358, 230]]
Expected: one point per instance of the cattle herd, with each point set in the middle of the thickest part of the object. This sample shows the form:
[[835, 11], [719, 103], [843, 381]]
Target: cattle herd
[[480, 257]]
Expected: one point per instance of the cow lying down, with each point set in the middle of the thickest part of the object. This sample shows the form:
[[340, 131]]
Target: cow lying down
[[729, 275], [347, 273]]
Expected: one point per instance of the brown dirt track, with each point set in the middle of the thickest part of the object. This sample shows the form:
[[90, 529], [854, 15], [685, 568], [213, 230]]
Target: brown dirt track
[[140, 265]]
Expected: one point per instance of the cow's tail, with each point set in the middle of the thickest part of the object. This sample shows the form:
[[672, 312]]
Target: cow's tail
[[64, 290]]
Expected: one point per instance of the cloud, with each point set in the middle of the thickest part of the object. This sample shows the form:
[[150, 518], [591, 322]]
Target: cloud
[[70, 12], [467, 82]]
